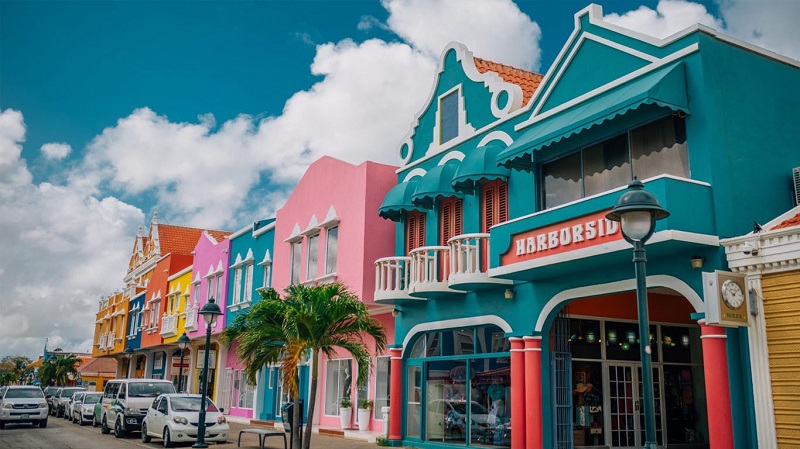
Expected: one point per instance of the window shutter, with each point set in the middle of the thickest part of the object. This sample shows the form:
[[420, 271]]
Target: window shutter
[[458, 219], [502, 202], [451, 219], [420, 230], [445, 213], [488, 206], [495, 203], [415, 230]]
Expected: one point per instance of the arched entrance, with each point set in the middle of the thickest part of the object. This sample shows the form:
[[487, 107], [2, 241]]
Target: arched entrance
[[592, 347]]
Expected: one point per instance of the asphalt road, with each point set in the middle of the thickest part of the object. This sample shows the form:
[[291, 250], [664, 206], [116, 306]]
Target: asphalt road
[[62, 434]]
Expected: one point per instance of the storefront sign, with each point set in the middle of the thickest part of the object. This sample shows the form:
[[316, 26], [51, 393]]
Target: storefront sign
[[176, 366], [725, 295], [578, 233]]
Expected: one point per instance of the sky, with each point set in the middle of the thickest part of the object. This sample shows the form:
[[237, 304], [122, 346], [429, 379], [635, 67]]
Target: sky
[[210, 111]]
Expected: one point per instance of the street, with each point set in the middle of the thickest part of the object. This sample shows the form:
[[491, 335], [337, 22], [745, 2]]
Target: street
[[61, 434]]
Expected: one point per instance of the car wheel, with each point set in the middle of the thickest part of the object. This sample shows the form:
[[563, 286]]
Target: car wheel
[[104, 427], [118, 432], [43, 423], [145, 437], [167, 439]]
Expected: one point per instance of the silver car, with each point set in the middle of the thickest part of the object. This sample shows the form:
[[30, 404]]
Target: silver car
[[61, 400], [82, 409], [23, 404]]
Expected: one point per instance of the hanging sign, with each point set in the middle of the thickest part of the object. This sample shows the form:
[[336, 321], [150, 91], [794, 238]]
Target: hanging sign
[[578, 233], [726, 299]]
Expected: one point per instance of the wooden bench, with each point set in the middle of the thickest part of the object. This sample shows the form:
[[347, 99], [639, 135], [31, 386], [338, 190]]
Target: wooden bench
[[262, 435]]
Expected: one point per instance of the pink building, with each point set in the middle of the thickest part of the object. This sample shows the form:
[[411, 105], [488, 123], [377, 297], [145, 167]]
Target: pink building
[[329, 230]]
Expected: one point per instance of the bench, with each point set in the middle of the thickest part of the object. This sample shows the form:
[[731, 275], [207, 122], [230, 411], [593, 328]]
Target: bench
[[262, 435]]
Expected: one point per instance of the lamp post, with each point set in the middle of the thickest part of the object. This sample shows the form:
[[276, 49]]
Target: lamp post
[[128, 353], [209, 312], [637, 211], [183, 342]]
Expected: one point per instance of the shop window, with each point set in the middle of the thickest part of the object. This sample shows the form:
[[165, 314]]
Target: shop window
[[415, 230], [587, 400], [677, 343], [647, 151], [446, 395], [383, 378], [331, 245], [623, 341], [448, 117], [585, 339], [414, 401], [245, 392], [450, 219], [684, 424], [338, 378], [490, 402]]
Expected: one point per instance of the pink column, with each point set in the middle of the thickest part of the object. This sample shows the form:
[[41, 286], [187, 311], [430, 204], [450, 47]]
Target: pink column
[[396, 393], [517, 392], [718, 393], [533, 393]]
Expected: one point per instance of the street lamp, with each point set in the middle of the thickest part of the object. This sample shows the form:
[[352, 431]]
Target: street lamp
[[183, 342], [637, 211], [209, 312], [128, 353]]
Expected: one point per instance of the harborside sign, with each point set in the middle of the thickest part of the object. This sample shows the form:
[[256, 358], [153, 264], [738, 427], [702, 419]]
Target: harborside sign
[[571, 235]]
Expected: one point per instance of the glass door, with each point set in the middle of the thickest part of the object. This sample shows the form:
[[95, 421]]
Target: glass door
[[626, 406]]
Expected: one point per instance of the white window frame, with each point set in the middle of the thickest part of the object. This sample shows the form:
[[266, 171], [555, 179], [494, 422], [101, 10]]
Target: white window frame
[[294, 268], [328, 269], [309, 273], [209, 287], [237, 285], [219, 288], [338, 388], [377, 413], [248, 282]]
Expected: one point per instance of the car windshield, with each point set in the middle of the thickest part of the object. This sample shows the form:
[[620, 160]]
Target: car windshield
[[93, 399], [68, 392], [149, 390], [23, 393], [191, 404]]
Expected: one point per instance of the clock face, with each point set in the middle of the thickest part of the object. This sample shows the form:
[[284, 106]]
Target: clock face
[[732, 294]]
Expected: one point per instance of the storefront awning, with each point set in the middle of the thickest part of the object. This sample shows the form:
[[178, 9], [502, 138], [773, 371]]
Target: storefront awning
[[481, 163], [398, 200], [437, 182], [665, 87]]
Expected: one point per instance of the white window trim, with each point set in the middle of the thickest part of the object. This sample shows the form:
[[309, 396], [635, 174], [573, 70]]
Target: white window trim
[[378, 414], [352, 406], [327, 241], [237, 285], [248, 282]]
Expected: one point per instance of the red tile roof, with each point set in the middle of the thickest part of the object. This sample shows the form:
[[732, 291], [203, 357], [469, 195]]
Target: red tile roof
[[182, 240], [528, 81], [794, 221], [98, 365]]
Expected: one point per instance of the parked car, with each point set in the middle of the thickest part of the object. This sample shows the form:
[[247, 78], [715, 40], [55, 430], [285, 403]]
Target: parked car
[[61, 400], [126, 401], [175, 417], [23, 404], [98, 413], [83, 404], [69, 405], [48, 396]]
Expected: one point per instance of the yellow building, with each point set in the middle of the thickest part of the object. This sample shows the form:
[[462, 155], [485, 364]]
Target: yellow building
[[173, 320], [110, 329]]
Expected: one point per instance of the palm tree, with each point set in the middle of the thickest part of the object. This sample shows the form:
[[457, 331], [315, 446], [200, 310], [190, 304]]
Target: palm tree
[[64, 367], [317, 319]]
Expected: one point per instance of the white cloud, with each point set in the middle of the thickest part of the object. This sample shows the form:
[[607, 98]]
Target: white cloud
[[669, 17], [56, 151], [61, 251], [492, 29]]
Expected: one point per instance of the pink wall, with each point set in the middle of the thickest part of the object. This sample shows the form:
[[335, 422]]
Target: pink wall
[[207, 254]]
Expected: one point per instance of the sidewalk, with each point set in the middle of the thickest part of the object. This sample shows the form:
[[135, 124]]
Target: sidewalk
[[352, 439]]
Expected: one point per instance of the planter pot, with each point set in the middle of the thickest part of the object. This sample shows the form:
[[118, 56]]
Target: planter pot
[[344, 416], [363, 418]]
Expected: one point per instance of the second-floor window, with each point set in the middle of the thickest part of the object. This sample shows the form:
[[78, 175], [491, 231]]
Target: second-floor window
[[448, 117], [195, 293], [313, 256], [331, 244], [237, 285], [248, 282], [210, 287], [647, 151], [450, 218], [295, 274], [415, 230], [494, 204], [219, 288]]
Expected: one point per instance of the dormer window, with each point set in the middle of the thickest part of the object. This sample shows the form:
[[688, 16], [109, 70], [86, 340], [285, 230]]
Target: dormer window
[[448, 117]]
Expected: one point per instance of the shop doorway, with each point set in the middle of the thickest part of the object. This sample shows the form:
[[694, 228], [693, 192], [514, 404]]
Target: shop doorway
[[625, 406]]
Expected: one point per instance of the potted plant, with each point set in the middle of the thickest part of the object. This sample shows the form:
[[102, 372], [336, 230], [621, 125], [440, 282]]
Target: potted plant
[[345, 412], [364, 414]]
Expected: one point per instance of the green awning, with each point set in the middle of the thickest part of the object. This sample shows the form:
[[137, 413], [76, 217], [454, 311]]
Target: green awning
[[398, 200], [665, 88], [437, 182], [480, 163]]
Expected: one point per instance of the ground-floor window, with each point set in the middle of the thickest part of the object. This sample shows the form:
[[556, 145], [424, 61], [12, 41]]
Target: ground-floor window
[[382, 383], [338, 378], [245, 392], [459, 388], [606, 383]]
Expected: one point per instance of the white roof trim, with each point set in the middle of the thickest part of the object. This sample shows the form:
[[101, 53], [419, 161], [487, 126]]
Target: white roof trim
[[249, 259], [211, 272], [264, 229], [331, 219], [210, 237], [295, 235], [267, 259], [196, 278], [238, 262], [312, 228], [241, 232], [220, 268]]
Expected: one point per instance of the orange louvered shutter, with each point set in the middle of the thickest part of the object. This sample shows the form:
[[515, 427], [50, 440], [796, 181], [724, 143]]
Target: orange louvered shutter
[[415, 230], [495, 203], [451, 219]]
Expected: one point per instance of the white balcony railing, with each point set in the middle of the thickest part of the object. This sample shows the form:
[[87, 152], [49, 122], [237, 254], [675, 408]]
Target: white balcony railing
[[191, 319], [392, 277], [469, 262], [430, 267], [169, 325]]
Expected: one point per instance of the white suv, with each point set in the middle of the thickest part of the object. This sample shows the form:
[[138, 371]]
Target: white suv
[[23, 404], [125, 403]]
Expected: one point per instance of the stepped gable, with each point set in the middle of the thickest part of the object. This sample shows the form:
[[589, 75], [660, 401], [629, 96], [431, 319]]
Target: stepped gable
[[528, 81]]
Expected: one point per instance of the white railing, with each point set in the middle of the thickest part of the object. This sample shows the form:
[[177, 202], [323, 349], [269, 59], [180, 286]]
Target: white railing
[[169, 325], [469, 261], [191, 319], [392, 277], [429, 268]]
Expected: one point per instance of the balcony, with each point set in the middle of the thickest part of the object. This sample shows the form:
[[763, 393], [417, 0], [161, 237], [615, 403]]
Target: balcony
[[469, 263], [169, 325], [392, 279], [191, 319], [430, 267]]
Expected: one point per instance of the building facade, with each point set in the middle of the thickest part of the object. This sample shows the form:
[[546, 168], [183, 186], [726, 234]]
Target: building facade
[[515, 296]]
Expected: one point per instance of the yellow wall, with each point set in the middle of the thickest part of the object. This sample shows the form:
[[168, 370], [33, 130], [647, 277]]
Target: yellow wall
[[181, 285], [113, 317], [781, 314]]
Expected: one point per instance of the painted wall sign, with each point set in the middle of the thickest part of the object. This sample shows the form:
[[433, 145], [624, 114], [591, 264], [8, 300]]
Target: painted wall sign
[[578, 233], [725, 295]]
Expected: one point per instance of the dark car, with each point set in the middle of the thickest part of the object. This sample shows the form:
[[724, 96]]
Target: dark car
[[48, 396]]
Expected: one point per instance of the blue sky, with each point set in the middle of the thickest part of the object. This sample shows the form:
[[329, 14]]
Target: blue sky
[[211, 111]]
